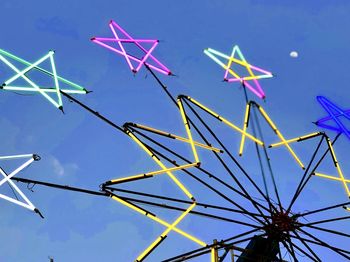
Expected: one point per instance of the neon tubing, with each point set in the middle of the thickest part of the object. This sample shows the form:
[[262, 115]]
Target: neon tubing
[[131, 57], [15, 156], [329, 127], [150, 174], [146, 56], [157, 131], [141, 47], [230, 61], [245, 126], [121, 47], [224, 120], [213, 255], [21, 73], [41, 69], [7, 178], [177, 182], [242, 63], [256, 92], [326, 104], [29, 204], [17, 202], [189, 134], [107, 39], [30, 82], [160, 221], [246, 78], [221, 64], [278, 133], [338, 166], [323, 119], [160, 67], [297, 139], [331, 177], [46, 90], [251, 73], [165, 233], [55, 79]]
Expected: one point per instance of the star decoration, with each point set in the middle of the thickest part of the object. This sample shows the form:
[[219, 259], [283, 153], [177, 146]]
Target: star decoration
[[52, 94], [172, 163], [341, 178], [164, 170], [334, 113], [121, 38], [7, 178], [133, 131], [240, 61]]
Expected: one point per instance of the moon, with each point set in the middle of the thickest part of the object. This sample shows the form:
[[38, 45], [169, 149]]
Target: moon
[[294, 54]]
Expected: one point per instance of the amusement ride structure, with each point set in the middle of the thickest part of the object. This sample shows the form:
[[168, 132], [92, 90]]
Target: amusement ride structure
[[268, 224]]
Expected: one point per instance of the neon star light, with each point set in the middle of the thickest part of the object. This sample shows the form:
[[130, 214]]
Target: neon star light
[[117, 45], [272, 125], [240, 61], [47, 92], [341, 178], [168, 171], [7, 178], [334, 113]]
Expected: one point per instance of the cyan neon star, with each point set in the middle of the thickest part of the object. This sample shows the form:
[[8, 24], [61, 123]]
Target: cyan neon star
[[334, 114], [241, 61], [52, 94], [132, 60]]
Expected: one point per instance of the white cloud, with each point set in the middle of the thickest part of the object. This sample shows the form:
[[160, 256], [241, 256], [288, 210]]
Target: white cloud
[[61, 169]]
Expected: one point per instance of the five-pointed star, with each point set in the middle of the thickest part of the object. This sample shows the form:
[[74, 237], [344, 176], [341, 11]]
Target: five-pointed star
[[47, 92], [334, 114], [241, 61], [133, 61], [7, 178]]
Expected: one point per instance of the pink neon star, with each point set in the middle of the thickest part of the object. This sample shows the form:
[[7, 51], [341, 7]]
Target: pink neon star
[[132, 59]]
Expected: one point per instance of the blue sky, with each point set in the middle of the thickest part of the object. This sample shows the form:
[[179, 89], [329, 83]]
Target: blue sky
[[80, 150]]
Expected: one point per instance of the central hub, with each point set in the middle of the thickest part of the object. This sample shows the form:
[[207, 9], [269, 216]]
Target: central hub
[[281, 223]]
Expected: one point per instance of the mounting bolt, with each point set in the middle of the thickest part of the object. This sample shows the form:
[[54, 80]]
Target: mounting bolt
[[36, 157]]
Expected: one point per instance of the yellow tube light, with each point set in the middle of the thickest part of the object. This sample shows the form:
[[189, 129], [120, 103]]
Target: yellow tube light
[[150, 174], [222, 64], [338, 166], [343, 180], [194, 239], [189, 134], [329, 143], [332, 177], [160, 221], [213, 255], [177, 182], [278, 133], [225, 121], [232, 59], [245, 126], [164, 234], [149, 249], [297, 139], [157, 131]]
